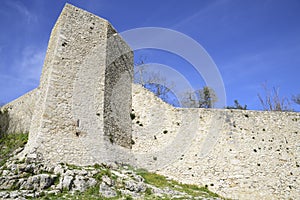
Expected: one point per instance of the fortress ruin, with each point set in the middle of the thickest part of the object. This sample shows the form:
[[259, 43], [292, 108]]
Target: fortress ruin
[[86, 110]]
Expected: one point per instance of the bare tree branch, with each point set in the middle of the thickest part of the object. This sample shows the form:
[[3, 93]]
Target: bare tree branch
[[272, 100]]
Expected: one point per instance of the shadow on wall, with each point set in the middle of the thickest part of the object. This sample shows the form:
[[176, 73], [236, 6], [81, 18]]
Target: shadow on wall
[[4, 122]]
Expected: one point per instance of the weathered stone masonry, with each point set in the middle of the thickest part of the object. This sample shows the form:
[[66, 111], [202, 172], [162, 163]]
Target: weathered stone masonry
[[256, 155], [80, 114], [85, 73]]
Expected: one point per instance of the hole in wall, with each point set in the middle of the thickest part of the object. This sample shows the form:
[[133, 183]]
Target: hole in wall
[[132, 115], [64, 44]]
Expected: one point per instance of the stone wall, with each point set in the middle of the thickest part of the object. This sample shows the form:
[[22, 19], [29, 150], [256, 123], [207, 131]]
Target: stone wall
[[118, 81], [21, 111], [80, 114], [238, 154], [74, 103]]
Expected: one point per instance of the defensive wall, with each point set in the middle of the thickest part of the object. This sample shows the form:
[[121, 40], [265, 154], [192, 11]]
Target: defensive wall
[[240, 154], [81, 112], [21, 111]]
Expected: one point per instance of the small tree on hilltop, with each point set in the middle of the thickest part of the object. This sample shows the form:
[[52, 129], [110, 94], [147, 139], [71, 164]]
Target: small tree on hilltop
[[202, 98], [208, 97]]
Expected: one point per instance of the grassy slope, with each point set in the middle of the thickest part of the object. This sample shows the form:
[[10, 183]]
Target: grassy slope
[[9, 143]]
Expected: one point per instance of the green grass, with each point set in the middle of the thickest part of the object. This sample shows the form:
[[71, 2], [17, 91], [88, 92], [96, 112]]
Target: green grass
[[153, 179], [72, 166], [150, 178], [9, 143], [161, 182], [100, 174], [90, 194]]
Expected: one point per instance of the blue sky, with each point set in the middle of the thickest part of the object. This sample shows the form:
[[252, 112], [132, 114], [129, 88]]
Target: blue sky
[[250, 41]]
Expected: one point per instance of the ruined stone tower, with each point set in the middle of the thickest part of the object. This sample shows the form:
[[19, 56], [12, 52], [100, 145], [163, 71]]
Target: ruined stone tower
[[80, 114], [82, 111]]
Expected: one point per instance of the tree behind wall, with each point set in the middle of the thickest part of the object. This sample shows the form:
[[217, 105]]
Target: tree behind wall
[[162, 88], [155, 82], [201, 98], [237, 105], [272, 101], [296, 99]]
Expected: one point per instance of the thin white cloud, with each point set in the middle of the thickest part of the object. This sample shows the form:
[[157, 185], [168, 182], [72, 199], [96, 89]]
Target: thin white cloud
[[25, 74], [201, 13], [31, 63], [23, 10]]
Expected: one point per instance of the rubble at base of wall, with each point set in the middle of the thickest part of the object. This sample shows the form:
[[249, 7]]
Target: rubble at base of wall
[[23, 179]]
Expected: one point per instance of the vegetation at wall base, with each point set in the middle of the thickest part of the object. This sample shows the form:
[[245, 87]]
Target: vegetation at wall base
[[115, 181], [4, 121], [9, 143], [162, 182]]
